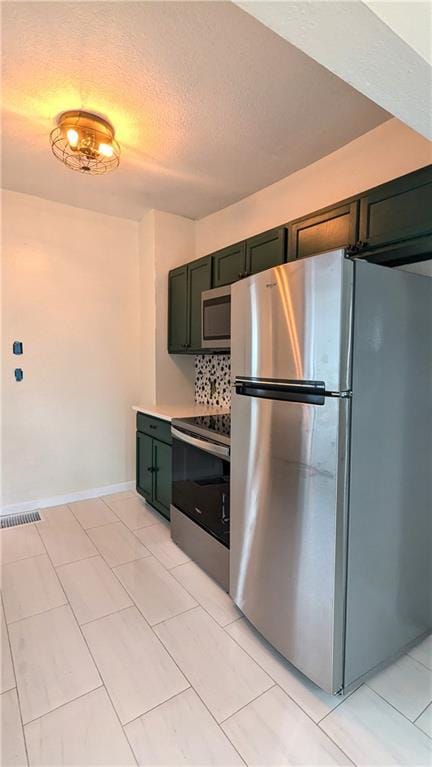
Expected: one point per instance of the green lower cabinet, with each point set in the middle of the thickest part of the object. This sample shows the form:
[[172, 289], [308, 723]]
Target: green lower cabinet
[[162, 476], [153, 472], [266, 250], [144, 465]]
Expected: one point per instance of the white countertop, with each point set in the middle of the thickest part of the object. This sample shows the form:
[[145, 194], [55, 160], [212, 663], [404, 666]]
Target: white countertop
[[168, 412]]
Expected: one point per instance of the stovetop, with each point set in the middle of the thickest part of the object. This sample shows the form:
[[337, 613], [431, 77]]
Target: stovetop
[[216, 427]]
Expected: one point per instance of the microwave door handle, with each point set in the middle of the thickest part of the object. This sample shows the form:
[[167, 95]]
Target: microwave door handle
[[221, 451]]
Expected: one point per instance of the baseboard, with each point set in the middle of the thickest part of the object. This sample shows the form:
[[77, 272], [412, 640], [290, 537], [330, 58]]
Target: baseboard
[[58, 500]]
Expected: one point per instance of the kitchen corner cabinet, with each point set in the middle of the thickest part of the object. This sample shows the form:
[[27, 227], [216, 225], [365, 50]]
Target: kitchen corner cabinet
[[153, 462], [331, 229], [397, 216], [185, 285]]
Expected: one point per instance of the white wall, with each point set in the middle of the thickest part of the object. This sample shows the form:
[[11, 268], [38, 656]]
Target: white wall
[[165, 241], [384, 153], [147, 329], [71, 294], [174, 245]]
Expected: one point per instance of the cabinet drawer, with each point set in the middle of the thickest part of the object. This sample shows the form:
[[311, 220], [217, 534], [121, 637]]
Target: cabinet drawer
[[154, 427]]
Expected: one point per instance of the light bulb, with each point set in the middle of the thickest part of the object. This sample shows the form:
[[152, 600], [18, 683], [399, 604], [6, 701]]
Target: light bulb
[[106, 149], [72, 137]]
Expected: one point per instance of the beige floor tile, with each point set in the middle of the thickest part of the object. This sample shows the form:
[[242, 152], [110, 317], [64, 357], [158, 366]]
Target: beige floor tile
[[207, 592], [155, 592], [20, 542], [137, 670], [309, 697], [12, 748], [134, 512], [180, 732], [81, 733], [117, 544], [56, 513], [52, 662], [371, 732], [92, 512], [157, 539], [7, 679], [92, 589], [30, 586], [113, 497], [423, 652], [273, 730], [425, 721], [406, 684], [223, 675], [64, 538]]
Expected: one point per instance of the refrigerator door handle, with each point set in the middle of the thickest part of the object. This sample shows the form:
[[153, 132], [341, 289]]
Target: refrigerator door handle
[[310, 392]]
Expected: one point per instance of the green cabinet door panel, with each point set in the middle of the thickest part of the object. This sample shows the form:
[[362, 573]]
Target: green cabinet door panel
[[335, 228], [199, 279], [396, 211], [266, 250], [162, 476], [178, 309], [144, 465], [229, 264]]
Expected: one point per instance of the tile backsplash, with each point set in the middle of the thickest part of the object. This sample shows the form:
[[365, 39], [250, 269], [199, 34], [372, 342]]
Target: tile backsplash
[[213, 379]]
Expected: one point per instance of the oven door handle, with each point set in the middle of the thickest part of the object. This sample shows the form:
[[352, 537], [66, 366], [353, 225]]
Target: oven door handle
[[221, 451]]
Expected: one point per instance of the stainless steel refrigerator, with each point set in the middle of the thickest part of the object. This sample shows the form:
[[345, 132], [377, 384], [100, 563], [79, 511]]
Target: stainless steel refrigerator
[[331, 492]]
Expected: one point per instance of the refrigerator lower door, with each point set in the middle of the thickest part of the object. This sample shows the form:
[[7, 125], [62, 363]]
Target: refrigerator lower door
[[288, 517]]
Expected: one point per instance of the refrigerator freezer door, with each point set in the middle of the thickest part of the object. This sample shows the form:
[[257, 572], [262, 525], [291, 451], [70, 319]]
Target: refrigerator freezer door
[[287, 564], [293, 322]]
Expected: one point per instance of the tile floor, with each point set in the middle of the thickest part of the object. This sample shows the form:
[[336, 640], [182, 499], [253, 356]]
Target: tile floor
[[117, 650]]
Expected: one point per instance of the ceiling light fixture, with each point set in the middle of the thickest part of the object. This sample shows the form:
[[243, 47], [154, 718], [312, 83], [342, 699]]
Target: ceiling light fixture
[[85, 142]]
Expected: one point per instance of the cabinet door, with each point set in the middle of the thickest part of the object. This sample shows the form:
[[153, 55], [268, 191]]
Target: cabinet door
[[178, 309], [398, 210], [199, 277], [335, 228], [229, 264], [162, 477], [144, 465], [266, 250]]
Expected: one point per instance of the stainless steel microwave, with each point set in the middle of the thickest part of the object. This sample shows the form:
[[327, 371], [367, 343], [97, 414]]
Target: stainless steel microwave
[[216, 318]]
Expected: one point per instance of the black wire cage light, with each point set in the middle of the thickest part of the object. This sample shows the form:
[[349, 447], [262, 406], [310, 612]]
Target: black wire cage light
[[85, 142]]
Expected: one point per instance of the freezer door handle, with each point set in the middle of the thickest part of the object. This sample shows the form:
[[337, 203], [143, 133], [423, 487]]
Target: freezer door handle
[[309, 392]]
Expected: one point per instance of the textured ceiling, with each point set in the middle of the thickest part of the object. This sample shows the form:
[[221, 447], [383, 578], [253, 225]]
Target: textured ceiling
[[209, 105]]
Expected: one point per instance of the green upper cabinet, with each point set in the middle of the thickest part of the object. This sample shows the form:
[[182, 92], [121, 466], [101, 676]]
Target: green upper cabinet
[[266, 250], [398, 211], [229, 264], [178, 319], [331, 229], [199, 279], [185, 286]]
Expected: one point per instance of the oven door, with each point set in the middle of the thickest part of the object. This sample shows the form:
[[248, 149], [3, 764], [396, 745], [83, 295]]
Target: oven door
[[200, 482], [216, 318]]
